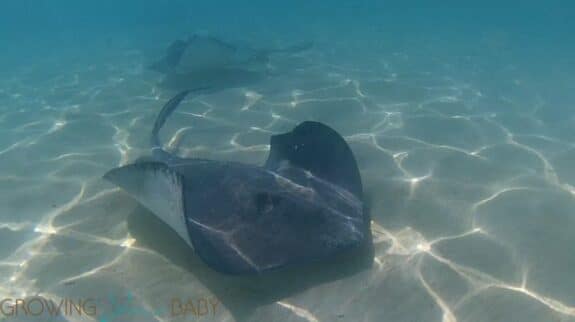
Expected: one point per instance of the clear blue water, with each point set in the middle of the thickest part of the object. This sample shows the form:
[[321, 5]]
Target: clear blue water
[[461, 117]]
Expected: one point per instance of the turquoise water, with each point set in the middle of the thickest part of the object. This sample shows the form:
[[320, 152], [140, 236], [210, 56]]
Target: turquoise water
[[461, 117]]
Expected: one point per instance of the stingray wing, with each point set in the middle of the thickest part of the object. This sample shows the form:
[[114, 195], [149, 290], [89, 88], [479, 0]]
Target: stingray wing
[[158, 188], [316, 147]]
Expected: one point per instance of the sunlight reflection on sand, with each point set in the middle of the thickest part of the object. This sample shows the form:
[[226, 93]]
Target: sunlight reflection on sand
[[472, 219]]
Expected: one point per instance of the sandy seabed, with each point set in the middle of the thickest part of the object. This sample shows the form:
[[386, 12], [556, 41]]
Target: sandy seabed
[[471, 191]]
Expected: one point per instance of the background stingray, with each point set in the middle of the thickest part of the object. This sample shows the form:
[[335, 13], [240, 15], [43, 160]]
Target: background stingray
[[201, 61], [304, 205], [200, 52]]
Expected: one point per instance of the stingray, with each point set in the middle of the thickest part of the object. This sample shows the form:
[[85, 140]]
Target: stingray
[[206, 61], [201, 53], [303, 205]]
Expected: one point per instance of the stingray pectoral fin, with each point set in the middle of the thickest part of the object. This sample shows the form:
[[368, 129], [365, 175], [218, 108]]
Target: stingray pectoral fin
[[158, 188], [318, 148]]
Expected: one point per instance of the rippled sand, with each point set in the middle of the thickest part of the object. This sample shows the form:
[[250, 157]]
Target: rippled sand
[[470, 185]]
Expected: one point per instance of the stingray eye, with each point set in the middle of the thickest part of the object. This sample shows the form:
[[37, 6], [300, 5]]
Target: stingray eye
[[266, 202]]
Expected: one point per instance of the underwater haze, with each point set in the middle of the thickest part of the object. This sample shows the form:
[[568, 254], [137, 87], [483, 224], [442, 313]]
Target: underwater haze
[[461, 115]]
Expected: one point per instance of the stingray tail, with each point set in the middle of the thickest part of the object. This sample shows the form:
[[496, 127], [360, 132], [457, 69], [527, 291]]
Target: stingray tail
[[166, 111]]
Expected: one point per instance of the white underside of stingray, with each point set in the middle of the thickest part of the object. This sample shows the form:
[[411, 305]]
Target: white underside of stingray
[[160, 190]]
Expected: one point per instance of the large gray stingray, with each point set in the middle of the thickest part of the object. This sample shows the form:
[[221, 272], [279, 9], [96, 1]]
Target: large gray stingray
[[305, 204]]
